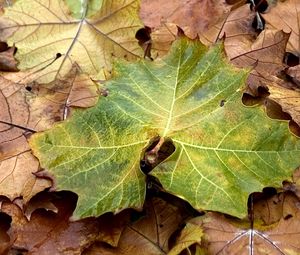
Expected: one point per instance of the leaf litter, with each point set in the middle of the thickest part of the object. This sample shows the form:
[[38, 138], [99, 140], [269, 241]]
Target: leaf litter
[[275, 215]]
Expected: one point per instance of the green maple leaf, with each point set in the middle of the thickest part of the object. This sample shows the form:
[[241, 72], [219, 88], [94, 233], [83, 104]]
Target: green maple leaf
[[224, 150]]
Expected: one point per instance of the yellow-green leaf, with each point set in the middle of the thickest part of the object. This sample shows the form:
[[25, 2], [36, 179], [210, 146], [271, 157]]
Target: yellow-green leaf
[[224, 150], [52, 35]]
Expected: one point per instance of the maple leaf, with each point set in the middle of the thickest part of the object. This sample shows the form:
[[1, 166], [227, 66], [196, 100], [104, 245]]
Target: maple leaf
[[224, 151], [53, 35], [225, 235]]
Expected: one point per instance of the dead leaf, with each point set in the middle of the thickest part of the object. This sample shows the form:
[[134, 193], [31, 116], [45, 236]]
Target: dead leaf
[[149, 234], [294, 73], [193, 16], [51, 38], [224, 235], [51, 233], [189, 235], [236, 27], [286, 15], [34, 107], [16, 161], [265, 55], [162, 39], [288, 99]]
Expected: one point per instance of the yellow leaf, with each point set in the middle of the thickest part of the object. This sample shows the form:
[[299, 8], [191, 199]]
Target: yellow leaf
[[50, 37]]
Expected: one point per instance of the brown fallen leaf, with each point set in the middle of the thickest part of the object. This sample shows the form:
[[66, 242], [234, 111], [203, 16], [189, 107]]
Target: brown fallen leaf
[[7, 61], [285, 15], [52, 233], [265, 56], [193, 16], [236, 27], [294, 73], [288, 99], [225, 235], [150, 233], [28, 108], [16, 161]]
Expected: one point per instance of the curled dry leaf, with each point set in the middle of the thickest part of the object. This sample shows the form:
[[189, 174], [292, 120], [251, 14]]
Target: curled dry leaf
[[224, 235], [51, 233], [52, 35], [150, 233], [285, 15], [193, 16]]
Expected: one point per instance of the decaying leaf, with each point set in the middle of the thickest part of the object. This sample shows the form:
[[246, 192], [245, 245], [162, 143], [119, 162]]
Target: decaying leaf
[[193, 16], [16, 161], [52, 35], [285, 15], [191, 234], [224, 151], [288, 99], [224, 235], [29, 108], [265, 56], [150, 233], [236, 27], [51, 233]]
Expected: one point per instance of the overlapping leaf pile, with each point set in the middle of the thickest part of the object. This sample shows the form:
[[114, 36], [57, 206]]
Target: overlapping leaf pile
[[177, 124]]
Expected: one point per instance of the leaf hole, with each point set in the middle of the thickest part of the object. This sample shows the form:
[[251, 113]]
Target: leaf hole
[[58, 55], [288, 217], [158, 150], [28, 88]]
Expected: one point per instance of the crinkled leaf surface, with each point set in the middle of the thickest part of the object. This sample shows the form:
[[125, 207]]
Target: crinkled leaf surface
[[53, 36], [224, 151]]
